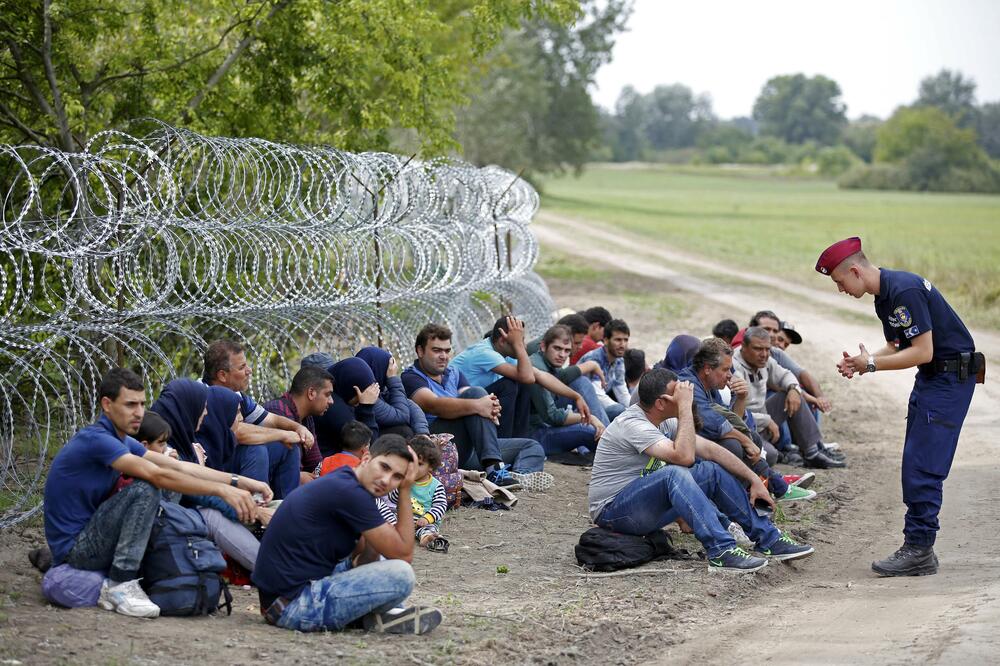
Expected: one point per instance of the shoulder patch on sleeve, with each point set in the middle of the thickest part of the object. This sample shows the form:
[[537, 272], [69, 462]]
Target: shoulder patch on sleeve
[[927, 284], [912, 332], [903, 316]]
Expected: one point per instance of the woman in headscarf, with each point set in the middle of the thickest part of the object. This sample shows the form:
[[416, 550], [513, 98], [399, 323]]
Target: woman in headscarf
[[393, 411], [182, 405], [216, 431], [680, 351], [354, 392]]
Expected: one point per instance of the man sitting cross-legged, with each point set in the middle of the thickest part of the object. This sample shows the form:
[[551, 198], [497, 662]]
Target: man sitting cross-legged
[[89, 528], [711, 369], [470, 414], [642, 480], [318, 567]]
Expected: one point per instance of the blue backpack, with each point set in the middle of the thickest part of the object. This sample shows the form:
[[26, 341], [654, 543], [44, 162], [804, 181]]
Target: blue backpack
[[180, 571]]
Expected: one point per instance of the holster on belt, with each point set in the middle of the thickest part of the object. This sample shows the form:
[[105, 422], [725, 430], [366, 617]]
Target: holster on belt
[[979, 365]]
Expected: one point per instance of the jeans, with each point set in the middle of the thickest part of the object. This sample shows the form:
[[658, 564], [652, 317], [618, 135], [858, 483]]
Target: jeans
[[614, 410], [556, 439], [775, 481], [515, 407], [692, 493], [805, 430], [585, 388], [115, 537], [519, 454], [271, 463], [232, 538], [348, 595], [474, 434]]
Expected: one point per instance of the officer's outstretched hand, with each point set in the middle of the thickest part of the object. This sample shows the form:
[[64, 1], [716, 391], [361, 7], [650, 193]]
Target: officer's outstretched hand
[[853, 365]]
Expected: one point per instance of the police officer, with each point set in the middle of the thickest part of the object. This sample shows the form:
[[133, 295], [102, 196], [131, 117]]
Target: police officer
[[921, 330]]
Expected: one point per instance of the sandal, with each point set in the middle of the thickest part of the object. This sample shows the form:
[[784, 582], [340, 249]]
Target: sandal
[[411, 620], [438, 544]]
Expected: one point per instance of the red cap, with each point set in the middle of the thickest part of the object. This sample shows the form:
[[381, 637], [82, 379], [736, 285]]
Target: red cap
[[836, 253]]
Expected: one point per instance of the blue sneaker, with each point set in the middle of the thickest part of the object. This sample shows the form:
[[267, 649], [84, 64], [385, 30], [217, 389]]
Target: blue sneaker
[[736, 560], [786, 548], [500, 476]]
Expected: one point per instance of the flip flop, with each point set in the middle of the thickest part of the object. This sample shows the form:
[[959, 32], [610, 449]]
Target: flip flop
[[411, 620], [438, 544]]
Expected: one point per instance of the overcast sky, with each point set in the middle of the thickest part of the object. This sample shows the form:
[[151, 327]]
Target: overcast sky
[[877, 50]]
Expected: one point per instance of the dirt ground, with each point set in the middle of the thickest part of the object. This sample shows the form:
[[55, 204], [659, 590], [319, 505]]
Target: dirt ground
[[826, 609]]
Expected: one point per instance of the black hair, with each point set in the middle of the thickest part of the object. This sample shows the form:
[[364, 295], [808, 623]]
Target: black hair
[[432, 332], [217, 358], [390, 445], [635, 364], [576, 322], [309, 377], [764, 314], [597, 315], [355, 436], [614, 325], [426, 449], [499, 329], [726, 329], [153, 428], [654, 384], [117, 379]]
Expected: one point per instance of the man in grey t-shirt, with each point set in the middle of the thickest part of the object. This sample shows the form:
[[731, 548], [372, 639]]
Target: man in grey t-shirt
[[643, 480]]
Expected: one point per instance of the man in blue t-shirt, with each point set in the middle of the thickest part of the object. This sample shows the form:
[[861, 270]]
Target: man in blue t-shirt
[[268, 444], [319, 568], [499, 363], [469, 413], [89, 528]]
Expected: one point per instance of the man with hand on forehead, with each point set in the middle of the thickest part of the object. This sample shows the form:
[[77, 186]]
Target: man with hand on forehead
[[921, 330]]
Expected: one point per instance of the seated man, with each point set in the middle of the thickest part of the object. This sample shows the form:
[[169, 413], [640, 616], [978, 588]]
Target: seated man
[[89, 528], [726, 330], [355, 392], [268, 444], [753, 363], [500, 365], [577, 376], [318, 567], [642, 480], [610, 358], [787, 335], [710, 370], [310, 395], [469, 413], [558, 429], [597, 318], [635, 368]]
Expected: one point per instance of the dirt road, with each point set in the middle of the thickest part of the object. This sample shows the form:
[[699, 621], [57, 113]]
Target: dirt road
[[837, 611]]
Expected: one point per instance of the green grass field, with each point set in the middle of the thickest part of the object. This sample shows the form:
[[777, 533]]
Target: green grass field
[[761, 221]]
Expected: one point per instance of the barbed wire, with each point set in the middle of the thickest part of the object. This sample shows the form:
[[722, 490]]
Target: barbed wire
[[148, 245]]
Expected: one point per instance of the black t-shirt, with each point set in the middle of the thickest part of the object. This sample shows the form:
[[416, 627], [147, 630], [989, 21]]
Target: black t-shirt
[[316, 527]]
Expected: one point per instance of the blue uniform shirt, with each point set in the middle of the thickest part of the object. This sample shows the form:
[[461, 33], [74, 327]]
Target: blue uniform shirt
[[80, 479], [908, 306]]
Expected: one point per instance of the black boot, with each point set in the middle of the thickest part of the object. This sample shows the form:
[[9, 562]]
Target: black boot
[[821, 461], [909, 560]]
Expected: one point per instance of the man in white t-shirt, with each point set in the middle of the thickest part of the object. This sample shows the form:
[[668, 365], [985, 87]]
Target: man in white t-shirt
[[643, 480]]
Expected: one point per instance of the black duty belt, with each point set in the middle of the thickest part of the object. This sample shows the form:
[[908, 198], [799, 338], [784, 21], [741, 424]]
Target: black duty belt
[[969, 363]]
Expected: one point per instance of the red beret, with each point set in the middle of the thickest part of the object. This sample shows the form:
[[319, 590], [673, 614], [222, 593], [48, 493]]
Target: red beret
[[836, 253]]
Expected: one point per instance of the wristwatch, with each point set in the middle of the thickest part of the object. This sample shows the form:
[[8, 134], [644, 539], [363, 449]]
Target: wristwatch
[[234, 481], [871, 364]]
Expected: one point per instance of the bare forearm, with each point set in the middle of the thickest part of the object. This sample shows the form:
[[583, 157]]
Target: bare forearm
[[809, 383], [906, 358], [249, 434], [404, 520], [447, 408], [279, 422], [525, 371], [685, 440]]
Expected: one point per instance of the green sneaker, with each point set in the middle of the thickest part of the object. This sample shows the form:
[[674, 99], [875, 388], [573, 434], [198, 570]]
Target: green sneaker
[[795, 494], [736, 560]]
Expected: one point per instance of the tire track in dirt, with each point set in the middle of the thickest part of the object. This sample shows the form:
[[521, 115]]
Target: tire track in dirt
[[837, 611]]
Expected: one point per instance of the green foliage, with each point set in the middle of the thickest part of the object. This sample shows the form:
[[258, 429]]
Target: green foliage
[[875, 177], [952, 93], [532, 108], [989, 129], [834, 160], [860, 136], [668, 118], [797, 108], [342, 72]]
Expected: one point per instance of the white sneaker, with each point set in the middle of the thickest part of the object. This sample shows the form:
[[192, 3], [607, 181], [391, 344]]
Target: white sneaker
[[741, 538], [831, 446], [127, 598], [537, 482]]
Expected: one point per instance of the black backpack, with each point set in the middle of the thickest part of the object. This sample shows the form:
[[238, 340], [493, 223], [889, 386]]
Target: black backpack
[[603, 550], [180, 571]]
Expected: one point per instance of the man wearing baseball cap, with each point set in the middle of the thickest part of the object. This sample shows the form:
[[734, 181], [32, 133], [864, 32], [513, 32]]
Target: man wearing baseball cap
[[922, 331]]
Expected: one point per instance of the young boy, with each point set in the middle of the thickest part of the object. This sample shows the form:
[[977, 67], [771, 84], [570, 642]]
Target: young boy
[[355, 437], [427, 496]]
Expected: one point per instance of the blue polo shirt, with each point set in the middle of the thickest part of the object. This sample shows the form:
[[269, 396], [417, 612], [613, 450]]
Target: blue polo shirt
[[477, 363], [414, 379], [80, 479], [908, 306]]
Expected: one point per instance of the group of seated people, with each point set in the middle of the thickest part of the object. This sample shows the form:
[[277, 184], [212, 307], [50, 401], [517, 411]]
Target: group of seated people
[[351, 448]]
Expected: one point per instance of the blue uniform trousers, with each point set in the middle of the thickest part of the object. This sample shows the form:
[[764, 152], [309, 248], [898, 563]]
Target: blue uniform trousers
[[938, 405]]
